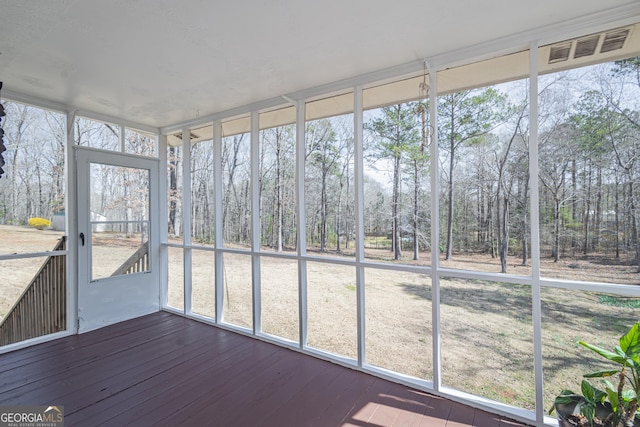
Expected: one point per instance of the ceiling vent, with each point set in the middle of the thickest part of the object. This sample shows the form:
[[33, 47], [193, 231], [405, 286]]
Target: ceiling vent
[[614, 40], [589, 45], [192, 136], [559, 52], [586, 46]]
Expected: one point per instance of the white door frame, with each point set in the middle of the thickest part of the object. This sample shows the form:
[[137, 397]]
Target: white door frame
[[113, 299]]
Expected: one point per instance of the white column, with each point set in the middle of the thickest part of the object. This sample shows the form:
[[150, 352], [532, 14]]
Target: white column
[[302, 223], [535, 231], [435, 227], [359, 211], [255, 221], [217, 182], [71, 225], [186, 216], [163, 220]]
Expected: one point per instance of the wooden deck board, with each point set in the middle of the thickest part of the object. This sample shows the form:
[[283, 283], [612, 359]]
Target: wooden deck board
[[163, 369]]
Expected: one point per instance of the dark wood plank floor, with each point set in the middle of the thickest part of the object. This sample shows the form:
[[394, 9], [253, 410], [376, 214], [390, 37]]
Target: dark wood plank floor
[[165, 370]]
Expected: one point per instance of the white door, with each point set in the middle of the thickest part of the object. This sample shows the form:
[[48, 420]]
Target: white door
[[118, 276]]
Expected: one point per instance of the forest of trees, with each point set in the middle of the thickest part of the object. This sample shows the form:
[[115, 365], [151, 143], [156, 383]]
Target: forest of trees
[[588, 148], [33, 183], [589, 173]]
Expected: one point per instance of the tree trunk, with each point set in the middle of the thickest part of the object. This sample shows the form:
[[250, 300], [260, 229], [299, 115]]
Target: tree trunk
[[489, 227], [173, 189], [587, 213], [504, 243], [323, 211], [397, 244], [634, 224], [339, 207], [450, 195], [597, 219], [525, 223], [556, 230]]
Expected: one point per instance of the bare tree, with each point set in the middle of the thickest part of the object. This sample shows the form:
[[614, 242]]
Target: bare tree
[[465, 117]]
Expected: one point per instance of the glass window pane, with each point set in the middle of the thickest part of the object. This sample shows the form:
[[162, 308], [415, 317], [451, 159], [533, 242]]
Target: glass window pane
[[487, 340], [398, 322], [174, 193], [569, 316], [91, 133], [484, 158], [119, 248], [18, 239], [331, 308], [329, 186], [175, 290], [118, 193], [279, 291], [140, 143], [396, 184], [236, 190], [238, 290], [203, 295], [33, 298], [277, 188], [589, 171], [119, 218], [202, 194], [32, 188]]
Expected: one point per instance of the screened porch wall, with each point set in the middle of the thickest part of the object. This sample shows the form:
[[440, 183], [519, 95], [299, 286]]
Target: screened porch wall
[[322, 274]]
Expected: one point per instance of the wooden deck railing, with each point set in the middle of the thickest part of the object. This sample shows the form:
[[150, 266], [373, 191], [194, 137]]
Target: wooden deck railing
[[42, 307], [136, 263]]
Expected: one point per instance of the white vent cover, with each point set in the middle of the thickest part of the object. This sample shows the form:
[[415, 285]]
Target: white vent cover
[[589, 45], [614, 40]]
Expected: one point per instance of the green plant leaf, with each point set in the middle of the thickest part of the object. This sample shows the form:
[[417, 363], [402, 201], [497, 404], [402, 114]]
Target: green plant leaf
[[613, 399], [630, 342], [588, 411], [612, 394], [600, 396], [602, 374], [628, 395], [604, 353], [565, 397], [608, 385], [588, 391]]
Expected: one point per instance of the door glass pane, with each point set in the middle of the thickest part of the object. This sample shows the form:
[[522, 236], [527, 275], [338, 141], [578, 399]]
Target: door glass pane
[[119, 218]]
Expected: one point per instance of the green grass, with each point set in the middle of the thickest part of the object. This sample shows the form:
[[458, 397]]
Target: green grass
[[619, 302]]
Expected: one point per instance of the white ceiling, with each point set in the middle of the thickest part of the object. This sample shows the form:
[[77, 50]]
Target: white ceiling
[[163, 62]]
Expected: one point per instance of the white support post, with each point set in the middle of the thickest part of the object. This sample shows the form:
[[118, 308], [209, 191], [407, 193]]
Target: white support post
[[71, 225], [255, 221], [161, 143], [186, 216], [302, 223], [435, 226], [359, 211], [535, 232], [217, 182]]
